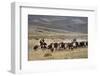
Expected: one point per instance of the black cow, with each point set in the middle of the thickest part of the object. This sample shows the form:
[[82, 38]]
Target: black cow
[[82, 44], [86, 43], [35, 47], [70, 46], [62, 45], [56, 46], [43, 44], [51, 47]]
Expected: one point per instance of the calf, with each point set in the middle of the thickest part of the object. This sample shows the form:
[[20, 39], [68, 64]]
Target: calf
[[35, 47]]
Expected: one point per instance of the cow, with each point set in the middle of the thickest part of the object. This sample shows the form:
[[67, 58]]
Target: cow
[[86, 43], [82, 44], [51, 47], [56, 45], [75, 44], [36, 47], [43, 44], [70, 46], [62, 45]]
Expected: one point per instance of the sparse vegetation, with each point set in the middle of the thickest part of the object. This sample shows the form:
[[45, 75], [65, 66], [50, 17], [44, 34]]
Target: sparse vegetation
[[47, 54], [64, 54], [51, 36]]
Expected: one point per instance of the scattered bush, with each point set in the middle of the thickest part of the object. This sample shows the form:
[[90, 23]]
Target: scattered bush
[[47, 54]]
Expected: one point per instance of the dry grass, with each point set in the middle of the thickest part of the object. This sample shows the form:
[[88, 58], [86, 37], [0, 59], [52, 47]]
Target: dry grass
[[50, 37], [63, 54]]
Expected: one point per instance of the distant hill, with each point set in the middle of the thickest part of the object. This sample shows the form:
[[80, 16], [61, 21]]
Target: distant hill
[[42, 29], [58, 23], [36, 32]]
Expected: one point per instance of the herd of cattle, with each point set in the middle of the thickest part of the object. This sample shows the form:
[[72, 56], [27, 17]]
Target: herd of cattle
[[62, 45]]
